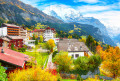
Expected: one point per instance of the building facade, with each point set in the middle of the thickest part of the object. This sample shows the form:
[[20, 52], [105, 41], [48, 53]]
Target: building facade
[[7, 41], [38, 32], [12, 30]]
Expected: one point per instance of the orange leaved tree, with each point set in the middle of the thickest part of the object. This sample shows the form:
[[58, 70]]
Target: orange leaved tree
[[111, 61]]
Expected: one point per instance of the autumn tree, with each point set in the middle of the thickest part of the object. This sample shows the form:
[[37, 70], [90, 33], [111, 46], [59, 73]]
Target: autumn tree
[[91, 43], [36, 42], [41, 38], [63, 61], [111, 61], [50, 44], [70, 37], [33, 38]]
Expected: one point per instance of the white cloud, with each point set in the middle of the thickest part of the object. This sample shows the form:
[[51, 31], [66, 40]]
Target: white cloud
[[92, 8], [87, 1]]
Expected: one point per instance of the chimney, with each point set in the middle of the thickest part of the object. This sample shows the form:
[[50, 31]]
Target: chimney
[[2, 50]]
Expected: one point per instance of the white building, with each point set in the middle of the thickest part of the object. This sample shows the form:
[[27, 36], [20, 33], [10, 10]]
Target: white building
[[28, 42], [73, 47], [3, 31], [50, 33]]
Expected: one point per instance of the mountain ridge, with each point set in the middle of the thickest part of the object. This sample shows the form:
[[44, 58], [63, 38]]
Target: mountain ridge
[[11, 9], [78, 18]]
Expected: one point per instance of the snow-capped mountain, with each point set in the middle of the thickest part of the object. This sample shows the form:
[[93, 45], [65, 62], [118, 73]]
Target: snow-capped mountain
[[74, 16]]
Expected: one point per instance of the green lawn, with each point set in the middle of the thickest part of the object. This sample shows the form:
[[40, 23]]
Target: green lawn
[[68, 80], [40, 57]]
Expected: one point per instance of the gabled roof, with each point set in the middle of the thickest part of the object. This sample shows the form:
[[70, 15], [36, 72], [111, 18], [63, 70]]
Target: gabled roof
[[13, 57], [48, 28], [72, 45]]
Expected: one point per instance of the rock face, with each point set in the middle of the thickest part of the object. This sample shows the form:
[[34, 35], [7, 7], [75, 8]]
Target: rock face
[[19, 12], [78, 18]]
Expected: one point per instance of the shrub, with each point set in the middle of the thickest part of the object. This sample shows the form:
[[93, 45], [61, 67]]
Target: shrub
[[54, 53], [3, 75], [22, 49], [79, 78], [32, 74], [72, 76], [85, 63], [81, 63], [63, 61], [117, 79], [92, 79]]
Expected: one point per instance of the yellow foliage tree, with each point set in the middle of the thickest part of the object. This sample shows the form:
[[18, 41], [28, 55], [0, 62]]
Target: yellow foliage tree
[[51, 44], [32, 74], [111, 61], [63, 60], [70, 37]]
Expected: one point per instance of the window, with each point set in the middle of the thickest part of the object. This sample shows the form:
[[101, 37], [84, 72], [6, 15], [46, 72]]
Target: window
[[76, 55]]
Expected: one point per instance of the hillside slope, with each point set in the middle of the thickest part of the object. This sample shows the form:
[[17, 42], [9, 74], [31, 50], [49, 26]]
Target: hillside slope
[[19, 12]]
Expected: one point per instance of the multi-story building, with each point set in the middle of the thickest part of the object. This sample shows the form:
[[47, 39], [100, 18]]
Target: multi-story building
[[49, 33], [23, 32], [38, 32], [12, 30]]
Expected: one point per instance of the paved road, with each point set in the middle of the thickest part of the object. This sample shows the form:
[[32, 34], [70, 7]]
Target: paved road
[[50, 65]]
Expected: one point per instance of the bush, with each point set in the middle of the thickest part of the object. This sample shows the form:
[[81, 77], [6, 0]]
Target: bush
[[81, 63], [3, 75], [72, 76], [54, 53], [92, 79], [63, 61], [79, 78], [94, 62], [87, 64], [22, 49], [32, 74], [117, 79]]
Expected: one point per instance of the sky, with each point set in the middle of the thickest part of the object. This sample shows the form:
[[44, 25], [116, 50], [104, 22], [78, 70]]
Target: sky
[[107, 11]]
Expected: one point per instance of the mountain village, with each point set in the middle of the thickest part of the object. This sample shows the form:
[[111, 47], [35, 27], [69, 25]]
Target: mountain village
[[65, 41], [22, 48]]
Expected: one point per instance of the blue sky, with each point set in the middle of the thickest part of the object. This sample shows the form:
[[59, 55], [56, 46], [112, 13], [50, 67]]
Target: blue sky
[[107, 11]]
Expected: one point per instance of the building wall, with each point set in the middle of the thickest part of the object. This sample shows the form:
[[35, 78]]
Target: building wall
[[73, 54], [3, 31], [23, 32], [13, 31], [17, 43], [48, 34]]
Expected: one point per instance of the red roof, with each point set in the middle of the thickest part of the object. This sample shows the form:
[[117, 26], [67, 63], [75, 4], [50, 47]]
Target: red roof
[[38, 30], [13, 57], [51, 29]]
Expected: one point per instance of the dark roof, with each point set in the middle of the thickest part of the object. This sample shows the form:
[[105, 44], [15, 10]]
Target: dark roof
[[71, 45], [13, 57]]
